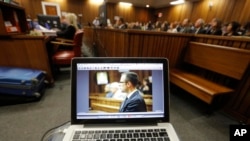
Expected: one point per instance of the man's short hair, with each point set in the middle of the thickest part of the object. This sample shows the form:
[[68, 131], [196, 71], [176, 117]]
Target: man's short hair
[[121, 19], [132, 77]]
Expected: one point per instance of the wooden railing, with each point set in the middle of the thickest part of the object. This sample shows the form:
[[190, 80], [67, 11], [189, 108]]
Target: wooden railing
[[99, 102], [136, 43], [236, 41]]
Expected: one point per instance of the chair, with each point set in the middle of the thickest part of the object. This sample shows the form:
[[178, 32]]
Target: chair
[[66, 49]]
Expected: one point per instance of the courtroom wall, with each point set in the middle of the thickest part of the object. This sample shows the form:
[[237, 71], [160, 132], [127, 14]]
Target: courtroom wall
[[226, 10]]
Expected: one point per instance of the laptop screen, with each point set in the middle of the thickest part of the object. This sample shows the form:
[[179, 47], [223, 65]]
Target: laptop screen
[[119, 89]]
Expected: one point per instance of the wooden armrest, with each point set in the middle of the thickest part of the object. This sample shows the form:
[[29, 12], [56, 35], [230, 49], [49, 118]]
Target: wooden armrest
[[64, 40], [62, 43]]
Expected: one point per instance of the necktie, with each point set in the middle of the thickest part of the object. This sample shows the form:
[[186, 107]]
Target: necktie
[[123, 103]]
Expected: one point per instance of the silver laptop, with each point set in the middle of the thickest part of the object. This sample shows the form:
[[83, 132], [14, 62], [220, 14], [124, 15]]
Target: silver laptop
[[128, 114]]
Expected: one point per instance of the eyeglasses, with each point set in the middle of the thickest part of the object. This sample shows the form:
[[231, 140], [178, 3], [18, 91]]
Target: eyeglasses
[[124, 82]]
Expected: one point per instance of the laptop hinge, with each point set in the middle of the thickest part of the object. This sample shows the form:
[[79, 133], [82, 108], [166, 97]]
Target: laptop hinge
[[120, 124]]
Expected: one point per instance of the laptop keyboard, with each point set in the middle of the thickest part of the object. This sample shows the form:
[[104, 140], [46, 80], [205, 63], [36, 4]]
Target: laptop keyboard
[[122, 135]]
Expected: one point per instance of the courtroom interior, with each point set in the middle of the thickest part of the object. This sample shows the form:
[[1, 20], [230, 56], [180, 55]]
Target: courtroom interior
[[207, 43]]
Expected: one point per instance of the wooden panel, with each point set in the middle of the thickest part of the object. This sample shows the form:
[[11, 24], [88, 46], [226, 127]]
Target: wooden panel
[[176, 13], [240, 11], [32, 8], [130, 14], [110, 42], [238, 105], [89, 11], [27, 52], [2, 26], [157, 44], [226, 10], [51, 10], [200, 10]]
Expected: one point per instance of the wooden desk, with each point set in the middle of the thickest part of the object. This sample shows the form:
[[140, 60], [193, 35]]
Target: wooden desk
[[25, 51]]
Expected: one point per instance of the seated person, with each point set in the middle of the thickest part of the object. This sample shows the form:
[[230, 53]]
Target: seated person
[[215, 27], [108, 92], [64, 23], [198, 27], [96, 22], [247, 29], [116, 91], [112, 90], [232, 29], [72, 27], [146, 86], [68, 33], [120, 24]]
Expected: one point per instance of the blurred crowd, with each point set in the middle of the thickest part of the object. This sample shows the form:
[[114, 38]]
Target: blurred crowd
[[213, 27]]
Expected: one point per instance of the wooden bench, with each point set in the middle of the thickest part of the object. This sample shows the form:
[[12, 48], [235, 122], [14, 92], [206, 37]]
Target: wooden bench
[[224, 61]]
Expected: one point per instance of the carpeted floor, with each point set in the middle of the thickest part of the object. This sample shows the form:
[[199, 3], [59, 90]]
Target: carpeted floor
[[28, 122]]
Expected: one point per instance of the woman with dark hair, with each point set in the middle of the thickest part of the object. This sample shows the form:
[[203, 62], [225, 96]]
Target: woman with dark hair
[[146, 86], [232, 29], [247, 29]]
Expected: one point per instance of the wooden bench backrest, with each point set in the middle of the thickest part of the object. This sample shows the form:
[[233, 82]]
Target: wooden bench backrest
[[224, 60]]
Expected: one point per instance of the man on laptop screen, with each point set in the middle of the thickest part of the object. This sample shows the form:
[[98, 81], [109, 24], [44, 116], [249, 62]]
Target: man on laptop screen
[[134, 101]]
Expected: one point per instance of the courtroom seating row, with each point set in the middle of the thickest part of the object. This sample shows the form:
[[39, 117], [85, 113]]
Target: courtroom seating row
[[200, 60]]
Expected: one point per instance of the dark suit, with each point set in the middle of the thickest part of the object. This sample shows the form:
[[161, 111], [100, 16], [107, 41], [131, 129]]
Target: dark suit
[[123, 26], [68, 33], [135, 103], [185, 30], [199, 31], [214, 32]]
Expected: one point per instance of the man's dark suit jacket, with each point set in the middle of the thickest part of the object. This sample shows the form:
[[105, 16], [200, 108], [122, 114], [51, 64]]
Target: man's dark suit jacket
[[200, 31], [135, 103], [68, 33], [214, 32]]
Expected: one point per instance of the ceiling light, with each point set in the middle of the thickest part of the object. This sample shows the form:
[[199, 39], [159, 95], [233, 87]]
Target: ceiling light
[[97, 1], [147, 6], [125, 4], [177, 2]]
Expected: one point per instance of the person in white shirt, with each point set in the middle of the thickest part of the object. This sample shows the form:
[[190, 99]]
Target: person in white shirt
[[96, 22], [116, 91]]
